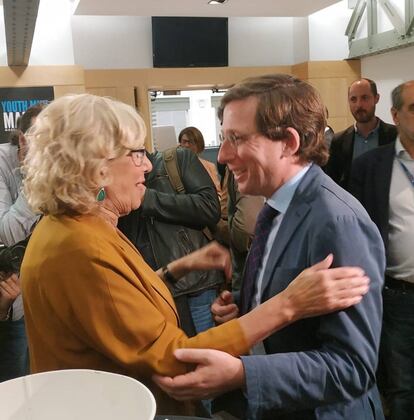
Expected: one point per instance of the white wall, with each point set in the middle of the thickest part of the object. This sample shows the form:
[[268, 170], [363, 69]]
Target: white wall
[[300, 40], [105, 42], [266, 41], [388, 70], [52, 39], [125, 42], [327, 40], [3, 52]]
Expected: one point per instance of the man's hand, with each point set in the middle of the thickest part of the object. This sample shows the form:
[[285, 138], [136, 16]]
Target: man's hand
[[216, 372], [210, 257], [223, 308], [9, 291]]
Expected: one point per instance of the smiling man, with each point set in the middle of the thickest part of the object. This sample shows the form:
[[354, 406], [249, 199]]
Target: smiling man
[[366, 134], [319, 368]]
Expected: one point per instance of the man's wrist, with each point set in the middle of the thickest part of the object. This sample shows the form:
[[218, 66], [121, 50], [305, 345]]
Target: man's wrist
[[167, 275], [5, 315]]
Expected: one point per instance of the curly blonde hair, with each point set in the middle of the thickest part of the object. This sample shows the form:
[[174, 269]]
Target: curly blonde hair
[[69, 147]]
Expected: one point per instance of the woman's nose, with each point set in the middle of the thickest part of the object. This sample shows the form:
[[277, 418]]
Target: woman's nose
[[147, 164]]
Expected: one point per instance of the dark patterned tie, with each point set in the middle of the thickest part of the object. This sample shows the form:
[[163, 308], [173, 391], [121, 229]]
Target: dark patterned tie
[[261, 233]]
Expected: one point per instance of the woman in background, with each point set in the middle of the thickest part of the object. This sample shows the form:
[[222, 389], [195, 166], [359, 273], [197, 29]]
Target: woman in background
[[191, 138], [90, 299]]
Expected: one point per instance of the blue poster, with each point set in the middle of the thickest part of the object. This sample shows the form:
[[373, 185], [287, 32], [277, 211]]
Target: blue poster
[[14, 103]]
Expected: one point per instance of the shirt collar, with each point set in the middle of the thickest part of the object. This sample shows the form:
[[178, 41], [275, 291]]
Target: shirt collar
[[374, 131], [280, 200], [400, 151]]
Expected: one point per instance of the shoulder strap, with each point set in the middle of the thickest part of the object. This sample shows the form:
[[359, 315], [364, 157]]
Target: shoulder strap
[[171, 167], [173, 172]]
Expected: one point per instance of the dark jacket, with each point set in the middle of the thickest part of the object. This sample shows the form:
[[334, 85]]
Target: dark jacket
[[342, 150], [168, 225], [370, 183]]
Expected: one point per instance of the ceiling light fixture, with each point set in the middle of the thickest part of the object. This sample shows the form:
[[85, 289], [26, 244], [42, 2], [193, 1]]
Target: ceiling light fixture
[[217, 1]]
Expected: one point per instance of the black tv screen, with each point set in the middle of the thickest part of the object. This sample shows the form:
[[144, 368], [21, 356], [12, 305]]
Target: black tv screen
[[189, 41]]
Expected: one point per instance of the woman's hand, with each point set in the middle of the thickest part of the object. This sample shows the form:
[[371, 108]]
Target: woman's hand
[[319, 290], [9, 291], [211, 257]]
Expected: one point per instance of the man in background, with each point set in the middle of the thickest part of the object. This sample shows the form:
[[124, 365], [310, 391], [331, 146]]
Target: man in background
[[16, 224], [367, 133], [383, 181], [16, 217]]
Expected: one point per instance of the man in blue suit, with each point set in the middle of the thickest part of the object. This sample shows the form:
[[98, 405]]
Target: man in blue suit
[[317, 368]]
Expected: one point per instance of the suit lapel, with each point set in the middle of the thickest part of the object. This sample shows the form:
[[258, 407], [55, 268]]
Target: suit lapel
[[348, 145], [386, 133], [381, 182], [383, 171]]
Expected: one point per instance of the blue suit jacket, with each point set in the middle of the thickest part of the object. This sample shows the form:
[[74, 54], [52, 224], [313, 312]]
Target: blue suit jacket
[[323, 367]]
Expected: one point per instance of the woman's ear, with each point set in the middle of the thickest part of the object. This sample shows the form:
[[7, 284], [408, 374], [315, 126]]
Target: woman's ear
[[292, 142]]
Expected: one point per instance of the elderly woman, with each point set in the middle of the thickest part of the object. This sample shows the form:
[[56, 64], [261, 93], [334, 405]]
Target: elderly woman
[[90, 299]]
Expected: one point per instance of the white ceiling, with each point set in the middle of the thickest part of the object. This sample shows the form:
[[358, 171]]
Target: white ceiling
[[262, 8]]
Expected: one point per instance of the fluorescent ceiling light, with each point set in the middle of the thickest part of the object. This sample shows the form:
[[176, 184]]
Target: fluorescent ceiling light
[[217, 1]]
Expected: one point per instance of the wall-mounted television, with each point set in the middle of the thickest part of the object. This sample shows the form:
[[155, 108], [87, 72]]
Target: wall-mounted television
[[189, 41]]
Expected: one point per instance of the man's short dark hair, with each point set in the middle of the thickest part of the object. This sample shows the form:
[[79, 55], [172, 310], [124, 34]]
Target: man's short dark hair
[[285, 101], [396, 96], [25, 121], [14, 137], [372, 85]]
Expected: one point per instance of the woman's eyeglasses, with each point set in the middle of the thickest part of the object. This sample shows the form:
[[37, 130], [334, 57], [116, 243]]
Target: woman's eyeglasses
[[185, 142], [137, 156]]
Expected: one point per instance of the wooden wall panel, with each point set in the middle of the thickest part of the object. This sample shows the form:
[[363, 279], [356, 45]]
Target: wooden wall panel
[[42, 76], [66, 90], [334, 94], [339, 123], [332, 79]]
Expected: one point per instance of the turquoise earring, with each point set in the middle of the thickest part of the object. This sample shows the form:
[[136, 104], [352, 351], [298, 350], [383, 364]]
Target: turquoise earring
[[101, 195]]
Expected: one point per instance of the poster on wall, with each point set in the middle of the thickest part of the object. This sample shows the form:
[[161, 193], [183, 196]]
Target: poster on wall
[[15, 101]]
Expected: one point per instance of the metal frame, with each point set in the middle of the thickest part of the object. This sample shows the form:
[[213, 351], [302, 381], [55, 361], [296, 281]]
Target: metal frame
[[409, 17], [19, 21], [401, 36]]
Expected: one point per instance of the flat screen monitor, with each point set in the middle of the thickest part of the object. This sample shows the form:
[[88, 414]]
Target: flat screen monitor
[[189, 41]]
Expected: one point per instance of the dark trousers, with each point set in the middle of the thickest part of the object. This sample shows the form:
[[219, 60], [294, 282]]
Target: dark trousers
[[396, 370], [13, 350]]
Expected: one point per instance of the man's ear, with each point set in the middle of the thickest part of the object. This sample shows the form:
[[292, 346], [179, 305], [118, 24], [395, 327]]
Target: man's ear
[[394, 114], [22, 140], [292, 142], [377, 98]]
